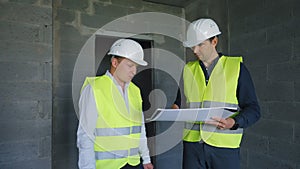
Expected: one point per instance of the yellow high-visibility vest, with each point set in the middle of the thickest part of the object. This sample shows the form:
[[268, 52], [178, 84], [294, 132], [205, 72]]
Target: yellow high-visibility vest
[[218, 92], [118, 130]]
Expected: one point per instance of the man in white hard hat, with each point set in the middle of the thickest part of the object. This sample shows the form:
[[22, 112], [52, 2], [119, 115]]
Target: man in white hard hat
[[215, 80], [111, 132]]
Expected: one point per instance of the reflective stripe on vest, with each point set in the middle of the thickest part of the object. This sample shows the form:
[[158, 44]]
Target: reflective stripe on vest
[[194, 104], [118, 128], [220, 91], [209, 104], [210, 128], [192, 126], [116, 154], [117, 131]]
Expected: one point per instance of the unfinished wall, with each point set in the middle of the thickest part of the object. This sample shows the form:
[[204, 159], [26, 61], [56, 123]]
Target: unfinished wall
[[26, 83], [267, 34]]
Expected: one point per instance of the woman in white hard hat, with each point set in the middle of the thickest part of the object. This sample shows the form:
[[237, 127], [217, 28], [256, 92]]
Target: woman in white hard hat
[[215, 80], [111, 132]]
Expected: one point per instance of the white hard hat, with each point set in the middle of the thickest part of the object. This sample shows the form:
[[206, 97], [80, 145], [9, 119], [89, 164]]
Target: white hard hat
[[129, 49], [199, 31]]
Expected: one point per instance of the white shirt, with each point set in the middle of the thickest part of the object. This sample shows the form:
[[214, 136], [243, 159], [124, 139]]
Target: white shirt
[[87, 124]]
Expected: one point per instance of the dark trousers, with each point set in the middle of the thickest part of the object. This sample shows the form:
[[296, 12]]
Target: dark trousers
[[203, 156], [127, 166]]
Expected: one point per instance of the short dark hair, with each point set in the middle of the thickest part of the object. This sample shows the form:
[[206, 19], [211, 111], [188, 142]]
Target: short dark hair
[[119, 58], [212, 38]]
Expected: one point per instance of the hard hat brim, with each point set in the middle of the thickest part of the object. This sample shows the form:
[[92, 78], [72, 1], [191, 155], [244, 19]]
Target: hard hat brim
[[139, 62], [129, 49], [189, 44]]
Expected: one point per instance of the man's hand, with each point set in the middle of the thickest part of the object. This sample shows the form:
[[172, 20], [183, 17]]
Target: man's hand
[[221, 123], [175, 106], [148, 166]]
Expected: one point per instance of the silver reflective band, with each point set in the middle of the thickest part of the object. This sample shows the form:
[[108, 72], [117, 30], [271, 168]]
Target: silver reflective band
[[116, 154], [210, 104], [210, 128], [194, 104], [192, 126], [134, 151], [136, 129], [117, 131]]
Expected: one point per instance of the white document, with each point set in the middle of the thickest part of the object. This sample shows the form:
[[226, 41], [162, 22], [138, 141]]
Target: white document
[[198, 114]]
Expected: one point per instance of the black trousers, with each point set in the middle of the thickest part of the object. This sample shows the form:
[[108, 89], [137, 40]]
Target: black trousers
[[203, 156], [127, 166]]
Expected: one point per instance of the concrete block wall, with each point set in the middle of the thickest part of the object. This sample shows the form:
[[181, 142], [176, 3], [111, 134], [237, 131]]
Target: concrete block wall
[[67, 43], [266, 34], [26, 84], [38, 122]]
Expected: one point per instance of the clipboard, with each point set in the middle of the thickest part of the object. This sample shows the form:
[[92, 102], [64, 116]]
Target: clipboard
[[194, 114]]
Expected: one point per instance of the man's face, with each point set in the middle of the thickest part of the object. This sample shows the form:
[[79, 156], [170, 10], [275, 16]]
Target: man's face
[[204, 50], [125, 70]]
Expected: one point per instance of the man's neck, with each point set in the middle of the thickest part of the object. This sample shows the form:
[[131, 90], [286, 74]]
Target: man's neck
[[121, 83], [211, 60]]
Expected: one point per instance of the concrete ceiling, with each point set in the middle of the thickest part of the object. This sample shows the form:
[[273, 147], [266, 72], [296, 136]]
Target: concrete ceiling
[[178, 3]]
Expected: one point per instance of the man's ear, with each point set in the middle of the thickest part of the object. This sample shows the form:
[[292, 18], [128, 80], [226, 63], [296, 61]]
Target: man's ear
[[114, 62], [215, 41]]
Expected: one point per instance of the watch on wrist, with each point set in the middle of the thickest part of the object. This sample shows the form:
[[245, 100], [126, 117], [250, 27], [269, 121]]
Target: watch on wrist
[[235, 126]]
